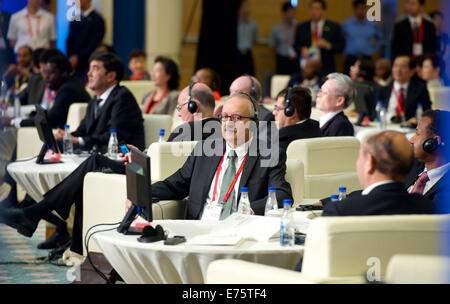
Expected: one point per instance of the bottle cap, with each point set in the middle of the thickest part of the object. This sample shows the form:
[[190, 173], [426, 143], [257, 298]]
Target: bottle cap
[[272, 189], [342, 189], [244, 190], [66, 127], [334, 197], [287, 202], [113, 131], [419, 104], [162, 132]]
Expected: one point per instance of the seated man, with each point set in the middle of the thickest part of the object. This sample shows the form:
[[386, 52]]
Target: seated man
[[201, 121], [20, 72], [299, 125], [114, 108], [335, 95], [431, 177], [70, 191], [402, 97], [383, 161]]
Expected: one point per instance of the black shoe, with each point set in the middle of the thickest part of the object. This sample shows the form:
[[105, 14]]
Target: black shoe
[[16, 218], [56, 240]]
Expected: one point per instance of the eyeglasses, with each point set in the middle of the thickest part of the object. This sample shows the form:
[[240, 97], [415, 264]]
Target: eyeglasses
[[178, 107], [277, 108], [232, 117]]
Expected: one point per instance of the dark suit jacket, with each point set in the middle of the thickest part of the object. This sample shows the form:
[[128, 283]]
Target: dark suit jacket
[[439, 193], [331, 33], [307, 129], [70, 91], [6, 55], [84, 37], [265, 115], [120, 112], [34, 91], [417, 93], [402, 39], [194, 179], [208, 128], [339, 125], [383, 200]]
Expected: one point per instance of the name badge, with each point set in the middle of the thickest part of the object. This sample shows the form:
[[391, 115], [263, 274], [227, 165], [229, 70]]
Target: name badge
[[2, 43], [417, 49], [314, 53], [212, 212]]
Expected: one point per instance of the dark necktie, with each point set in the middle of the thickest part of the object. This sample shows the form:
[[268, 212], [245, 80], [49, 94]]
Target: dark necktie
[[97, 107], [226, 183], [401, 102], [420, 184]]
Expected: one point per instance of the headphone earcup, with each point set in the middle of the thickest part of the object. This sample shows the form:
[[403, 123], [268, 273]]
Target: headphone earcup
[[192, 107], [289, 111], [430, 145]]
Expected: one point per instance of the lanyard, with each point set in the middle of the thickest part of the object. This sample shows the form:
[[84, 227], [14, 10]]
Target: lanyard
[[50, 95], [396, 93], [287, 39], [420, 38], [151, 104], [30, 28], [227, 195]]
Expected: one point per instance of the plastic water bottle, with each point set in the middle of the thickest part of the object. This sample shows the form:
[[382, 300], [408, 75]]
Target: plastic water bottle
[[3, 97], [161, 139], [17, 106], [271, 203], [419, 112], [287, 225], [334, 197], [113, 144], [67, 141], [342, 193], [244, 203], [378, 108], [383, 118]]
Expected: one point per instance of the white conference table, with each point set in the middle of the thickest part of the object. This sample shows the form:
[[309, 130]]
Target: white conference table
[[156, 263], [38, 179]]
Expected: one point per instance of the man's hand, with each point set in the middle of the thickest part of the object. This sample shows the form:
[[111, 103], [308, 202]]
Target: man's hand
[[12, 69], [127, 205], [317, 204], [305, 52], [59, 134], [126, 159], [323, 44]]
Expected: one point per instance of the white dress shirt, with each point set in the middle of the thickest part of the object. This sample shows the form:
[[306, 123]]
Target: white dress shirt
[[434, 176], [39, 35], [327, 117], [241, 151], [392, 107], [103, 97]]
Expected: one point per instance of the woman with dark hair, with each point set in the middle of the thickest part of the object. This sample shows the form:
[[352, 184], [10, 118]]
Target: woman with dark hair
[[166, 78]]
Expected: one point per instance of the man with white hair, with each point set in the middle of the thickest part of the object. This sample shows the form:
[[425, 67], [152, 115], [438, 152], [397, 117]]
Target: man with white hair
[[335, 95]]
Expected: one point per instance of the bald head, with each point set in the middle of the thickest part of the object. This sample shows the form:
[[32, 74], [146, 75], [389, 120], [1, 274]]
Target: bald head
[[392, 154], [244, 84]]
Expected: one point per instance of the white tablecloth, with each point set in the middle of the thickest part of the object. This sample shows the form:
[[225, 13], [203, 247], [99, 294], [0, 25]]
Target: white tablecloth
[[38, 179], [140, 263]]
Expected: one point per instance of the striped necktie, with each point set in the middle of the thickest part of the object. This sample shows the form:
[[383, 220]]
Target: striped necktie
[[226, 183]]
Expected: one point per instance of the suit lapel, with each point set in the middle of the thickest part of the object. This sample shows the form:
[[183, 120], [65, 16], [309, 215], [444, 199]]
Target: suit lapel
[[210, 167], [250, 162]]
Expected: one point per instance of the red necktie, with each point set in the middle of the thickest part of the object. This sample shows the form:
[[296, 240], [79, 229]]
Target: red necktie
[[401, 102], [316, 33], [420, 184]]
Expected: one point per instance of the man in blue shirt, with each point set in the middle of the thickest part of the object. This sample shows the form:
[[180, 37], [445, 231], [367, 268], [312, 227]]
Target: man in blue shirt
[[363, 38]]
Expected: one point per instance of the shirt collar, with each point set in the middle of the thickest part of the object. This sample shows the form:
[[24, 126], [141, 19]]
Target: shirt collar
[[302, 121], [241, 150], [40, 12], [327, 117], [417, 19], [106, 94], [87, 12], [437, 173], [375, 185], [397, 86]]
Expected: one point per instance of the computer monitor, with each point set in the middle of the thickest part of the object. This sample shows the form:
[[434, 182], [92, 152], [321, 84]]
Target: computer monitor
[[138, 190], [46, 136]]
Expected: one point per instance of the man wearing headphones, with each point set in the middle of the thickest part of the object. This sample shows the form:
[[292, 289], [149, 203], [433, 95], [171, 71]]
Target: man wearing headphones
[[292, 116], [431, 149]]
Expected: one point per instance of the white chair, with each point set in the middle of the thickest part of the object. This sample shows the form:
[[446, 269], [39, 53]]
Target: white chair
[[153, 123], [139, 88], [278, 83], [77, 111], [440, 98], [344, 250], [296, 178], [363, 135], [315, 114], [329, 163], [418, 269]]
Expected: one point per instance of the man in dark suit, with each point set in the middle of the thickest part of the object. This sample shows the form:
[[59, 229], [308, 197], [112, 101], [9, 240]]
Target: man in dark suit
[[114, 108], [402, 97], [84, 37], [258, 173], [319, 38], [6, 52], [202, 121], [431, 150], [414, 34], [298, 125], [335, 95], [384, 160]]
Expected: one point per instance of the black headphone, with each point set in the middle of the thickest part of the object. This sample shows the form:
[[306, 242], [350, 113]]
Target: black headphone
[[151, 235], [289, 110], [252, 88], [192, 106], [431, 144], [253, 102]]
